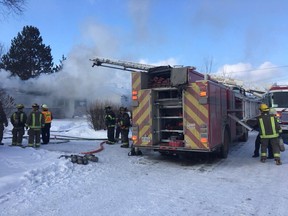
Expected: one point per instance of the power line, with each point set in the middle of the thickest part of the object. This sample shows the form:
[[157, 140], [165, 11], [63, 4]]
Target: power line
[[259, 69], [270, 79], [260, 80]]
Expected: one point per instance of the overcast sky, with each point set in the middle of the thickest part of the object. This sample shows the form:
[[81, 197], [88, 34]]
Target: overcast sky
[[245, 39]]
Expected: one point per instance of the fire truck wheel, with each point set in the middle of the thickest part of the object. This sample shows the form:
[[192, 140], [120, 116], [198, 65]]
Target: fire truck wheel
[[225, 146], [244, 137]]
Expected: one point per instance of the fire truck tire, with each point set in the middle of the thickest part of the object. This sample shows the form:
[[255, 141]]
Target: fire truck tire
[[225, 145], [244, 137]]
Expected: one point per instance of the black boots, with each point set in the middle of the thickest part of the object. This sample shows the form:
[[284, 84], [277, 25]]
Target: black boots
[[125, 146], [278, 161]]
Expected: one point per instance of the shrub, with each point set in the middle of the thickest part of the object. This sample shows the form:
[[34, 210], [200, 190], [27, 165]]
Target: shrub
[[96, 113]]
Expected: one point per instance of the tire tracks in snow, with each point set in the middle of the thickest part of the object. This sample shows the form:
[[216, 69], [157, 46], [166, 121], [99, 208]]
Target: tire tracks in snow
[[203, 163]]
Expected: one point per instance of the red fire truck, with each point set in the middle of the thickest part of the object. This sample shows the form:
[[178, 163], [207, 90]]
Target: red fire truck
[[179, 110]]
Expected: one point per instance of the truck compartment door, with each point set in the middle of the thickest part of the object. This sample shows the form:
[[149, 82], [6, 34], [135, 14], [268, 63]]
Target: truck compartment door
[[195, 119], [142, 119]]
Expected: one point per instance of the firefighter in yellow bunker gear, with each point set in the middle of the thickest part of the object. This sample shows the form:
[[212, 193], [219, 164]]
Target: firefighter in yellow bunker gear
[[269, 130], [35, 121]]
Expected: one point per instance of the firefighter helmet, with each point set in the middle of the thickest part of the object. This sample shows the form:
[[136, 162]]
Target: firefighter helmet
[[19, 106], [35, 105], [264, 108], [273, 111], [44, 106], [107, 108]]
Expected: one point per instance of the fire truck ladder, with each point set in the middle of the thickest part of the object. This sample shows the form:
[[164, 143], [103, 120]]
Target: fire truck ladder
[[121, 65]]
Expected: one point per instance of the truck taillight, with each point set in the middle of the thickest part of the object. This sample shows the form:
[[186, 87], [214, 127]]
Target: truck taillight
[[204, 139], [203, 90], [203, 94], [134, 138], [134, 95], [135, 101], [204, 133], [135, 132]]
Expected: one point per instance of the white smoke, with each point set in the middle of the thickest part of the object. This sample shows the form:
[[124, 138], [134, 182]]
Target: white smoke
[[77, 79]]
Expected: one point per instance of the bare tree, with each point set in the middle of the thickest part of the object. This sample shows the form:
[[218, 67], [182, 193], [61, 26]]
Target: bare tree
[[8, 7], [208, 64], [8, 102], [12, 7], [96, 113]]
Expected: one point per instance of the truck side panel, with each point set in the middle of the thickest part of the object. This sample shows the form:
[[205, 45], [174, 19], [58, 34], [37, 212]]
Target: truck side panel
[[218, 113], [195, 115], [231, 110], [204, 116]]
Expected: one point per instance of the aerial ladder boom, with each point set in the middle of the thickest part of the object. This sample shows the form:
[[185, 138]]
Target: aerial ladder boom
[[121, 65]]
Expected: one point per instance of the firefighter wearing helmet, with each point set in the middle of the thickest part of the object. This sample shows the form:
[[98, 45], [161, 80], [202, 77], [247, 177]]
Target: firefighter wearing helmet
[[110, 124], [48, 119], [262, 108], [118, 126], [269, 130], [125, 125], [18, 120], [35, 121]]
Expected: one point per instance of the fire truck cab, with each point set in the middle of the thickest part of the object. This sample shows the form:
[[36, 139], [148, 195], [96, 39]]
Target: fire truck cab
[[277, 97]]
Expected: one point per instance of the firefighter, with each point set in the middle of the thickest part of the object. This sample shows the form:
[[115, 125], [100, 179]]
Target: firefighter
[[3, 122], [118, 126], [110, 124], [35, 121], [125, 125], [258, 140], [18, 120], [48, 117], [269, 130]]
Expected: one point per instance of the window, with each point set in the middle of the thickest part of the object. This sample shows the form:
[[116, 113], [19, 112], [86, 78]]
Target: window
[[279, 99]]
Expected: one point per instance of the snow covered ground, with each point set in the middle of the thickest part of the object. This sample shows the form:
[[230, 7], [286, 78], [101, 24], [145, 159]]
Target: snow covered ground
[[37, 182]]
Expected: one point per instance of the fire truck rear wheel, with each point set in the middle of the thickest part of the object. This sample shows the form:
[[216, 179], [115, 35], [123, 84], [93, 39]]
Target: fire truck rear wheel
[[225, 145]]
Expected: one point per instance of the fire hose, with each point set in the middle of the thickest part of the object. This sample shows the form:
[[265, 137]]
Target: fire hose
[[95, 151]]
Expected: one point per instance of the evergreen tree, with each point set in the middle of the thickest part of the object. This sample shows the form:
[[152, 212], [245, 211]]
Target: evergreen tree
[[59, 67], [28, 57]]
